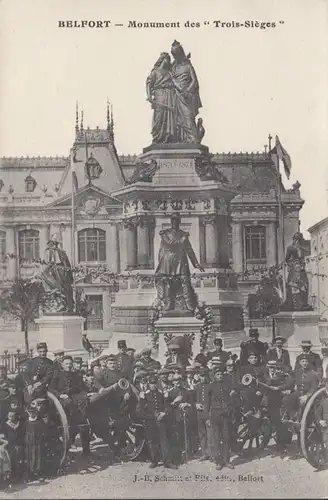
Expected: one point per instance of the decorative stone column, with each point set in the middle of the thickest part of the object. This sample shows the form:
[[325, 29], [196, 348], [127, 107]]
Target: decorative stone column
[[144, 253], [11, 250], [271, 244], [223, 240], [130, 240], [112, 247], [237, 246], [43, 239], [211, 240]]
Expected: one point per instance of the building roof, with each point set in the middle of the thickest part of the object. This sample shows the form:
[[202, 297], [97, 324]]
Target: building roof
[[318, 225]]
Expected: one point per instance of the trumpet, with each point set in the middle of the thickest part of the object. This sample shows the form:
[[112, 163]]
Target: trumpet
[[123, 384]]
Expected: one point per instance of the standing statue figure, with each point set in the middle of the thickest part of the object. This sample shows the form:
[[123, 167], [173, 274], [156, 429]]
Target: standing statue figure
[[297, 285], [161, 95], [187, 95], [172, 276], [57, 279]]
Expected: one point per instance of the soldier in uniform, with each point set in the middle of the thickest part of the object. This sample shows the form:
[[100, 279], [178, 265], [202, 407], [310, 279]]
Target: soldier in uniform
[[278, 381], [9, 392], [77, 364], [218, 352], [200, 395], [39, 373], [306, 382], [178, 401], [153, 412], [253, 344], [109, 375], [70, 389], [148, 363], [278, 353], [217, 409], [59, 356], [314, 359], [251, 394], [124, 360]]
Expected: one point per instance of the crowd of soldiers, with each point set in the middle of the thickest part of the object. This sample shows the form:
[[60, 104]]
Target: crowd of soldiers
[[186, 411]]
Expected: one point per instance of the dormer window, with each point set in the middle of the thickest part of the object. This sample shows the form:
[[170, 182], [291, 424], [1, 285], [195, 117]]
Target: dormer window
[[93, 169], [30, 184]]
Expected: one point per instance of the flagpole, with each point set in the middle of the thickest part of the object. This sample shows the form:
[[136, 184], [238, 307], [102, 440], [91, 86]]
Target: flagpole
[[73, 211]]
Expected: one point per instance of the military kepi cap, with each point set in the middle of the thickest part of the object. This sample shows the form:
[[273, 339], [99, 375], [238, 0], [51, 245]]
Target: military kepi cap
[[57, 352], [41, 345], [77, 359], [254, 332], [121, 343], [303, 356]]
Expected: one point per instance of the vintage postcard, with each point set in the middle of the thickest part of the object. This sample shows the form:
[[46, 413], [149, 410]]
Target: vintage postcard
[[163, 249]]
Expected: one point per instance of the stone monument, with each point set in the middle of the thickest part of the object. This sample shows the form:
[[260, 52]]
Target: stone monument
[[297, 321], [175, 222], [59, 326]]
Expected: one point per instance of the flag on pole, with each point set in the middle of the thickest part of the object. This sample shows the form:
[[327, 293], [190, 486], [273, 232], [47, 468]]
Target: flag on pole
[[284, 157]]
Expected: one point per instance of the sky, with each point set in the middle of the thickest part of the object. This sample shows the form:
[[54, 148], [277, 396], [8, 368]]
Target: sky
[[253, 81]]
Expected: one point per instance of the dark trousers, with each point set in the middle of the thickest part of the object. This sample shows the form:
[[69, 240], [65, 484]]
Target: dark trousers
[[156, 434], [202, 435], [220, 437]]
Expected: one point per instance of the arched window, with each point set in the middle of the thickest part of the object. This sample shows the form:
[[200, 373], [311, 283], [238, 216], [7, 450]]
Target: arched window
[[255, 243], [29, 245], [30, 184], [2, 246], [92, 245]]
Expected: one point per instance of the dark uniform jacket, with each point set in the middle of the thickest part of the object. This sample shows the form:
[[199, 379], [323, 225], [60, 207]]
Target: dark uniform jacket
[[151, 404], [306, 381], [171, 395], [282, 382], [69, 383], [125, 365], [200, 392], [39, 370], [315, 362], [260, 348], [106, 378], [218, 353], [274, 355], [217, 401]]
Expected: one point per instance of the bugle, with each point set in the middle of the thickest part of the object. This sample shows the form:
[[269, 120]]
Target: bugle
[[247, 379]]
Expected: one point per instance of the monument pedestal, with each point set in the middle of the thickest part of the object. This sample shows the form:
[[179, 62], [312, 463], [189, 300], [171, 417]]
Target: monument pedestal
[[177, 326], [62, 332], [296, 326]]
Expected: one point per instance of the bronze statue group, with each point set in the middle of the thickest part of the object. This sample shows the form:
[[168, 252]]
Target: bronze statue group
[[204, 410]]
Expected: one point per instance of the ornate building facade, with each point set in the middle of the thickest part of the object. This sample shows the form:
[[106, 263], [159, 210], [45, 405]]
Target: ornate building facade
[[36, 202]]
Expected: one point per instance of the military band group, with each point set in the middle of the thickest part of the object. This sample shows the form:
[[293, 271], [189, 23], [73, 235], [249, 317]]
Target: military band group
[[184, 412]]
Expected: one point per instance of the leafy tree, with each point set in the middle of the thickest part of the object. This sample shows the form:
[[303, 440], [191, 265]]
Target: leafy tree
[[22, 301]]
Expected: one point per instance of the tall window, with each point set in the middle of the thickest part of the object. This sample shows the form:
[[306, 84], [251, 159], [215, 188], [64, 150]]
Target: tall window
[[29, 245], [255, 243], [92, 245], [95, 312], [30, 184], [2, 246]]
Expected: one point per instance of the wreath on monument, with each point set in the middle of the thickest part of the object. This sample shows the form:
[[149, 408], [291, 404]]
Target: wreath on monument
[[204, 312], [156, 313]]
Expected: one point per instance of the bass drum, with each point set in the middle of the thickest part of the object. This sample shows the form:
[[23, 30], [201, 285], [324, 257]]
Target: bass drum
[[311, 433]]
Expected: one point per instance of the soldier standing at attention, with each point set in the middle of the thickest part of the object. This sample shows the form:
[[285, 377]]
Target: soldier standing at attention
[[201, 390], [253, 344], [217, 409], [77, 364], [153, 412], [124, 360], [221, 355]]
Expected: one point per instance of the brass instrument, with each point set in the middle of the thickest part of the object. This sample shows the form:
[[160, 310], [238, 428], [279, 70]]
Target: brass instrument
[[123, 384], [248, 379]]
